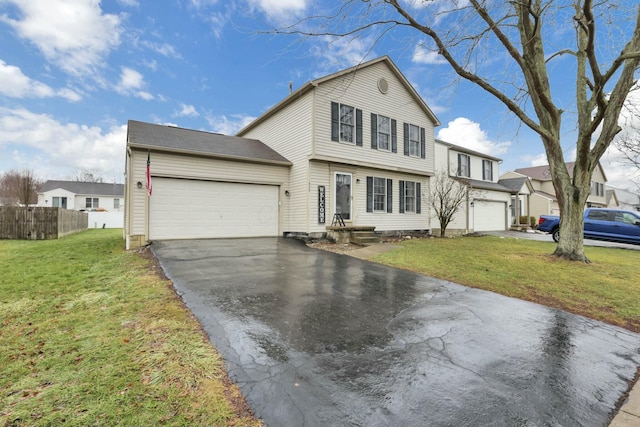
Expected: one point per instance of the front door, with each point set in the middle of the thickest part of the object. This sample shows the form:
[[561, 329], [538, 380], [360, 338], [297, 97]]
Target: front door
[[343, 195]]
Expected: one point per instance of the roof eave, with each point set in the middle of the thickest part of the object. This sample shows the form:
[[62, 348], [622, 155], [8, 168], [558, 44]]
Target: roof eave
[[211, 155]]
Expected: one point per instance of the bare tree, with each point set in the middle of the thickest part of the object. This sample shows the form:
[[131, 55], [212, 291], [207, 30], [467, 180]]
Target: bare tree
[[87, 175], [446, 197], [19, 187], [469, 35]]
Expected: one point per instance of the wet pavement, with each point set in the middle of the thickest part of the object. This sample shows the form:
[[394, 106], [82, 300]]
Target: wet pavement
[[315, 338]]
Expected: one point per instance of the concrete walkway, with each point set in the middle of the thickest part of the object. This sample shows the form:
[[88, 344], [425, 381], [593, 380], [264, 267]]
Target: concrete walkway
[[629, 414]]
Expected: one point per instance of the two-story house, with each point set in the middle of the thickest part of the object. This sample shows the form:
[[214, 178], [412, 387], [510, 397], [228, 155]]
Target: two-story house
[[361, 143], [488, 201], [358, 143], [543, 201]]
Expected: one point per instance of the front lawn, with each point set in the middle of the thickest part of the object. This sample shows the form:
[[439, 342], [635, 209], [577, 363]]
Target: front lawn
[[607, 289], [91, 336]]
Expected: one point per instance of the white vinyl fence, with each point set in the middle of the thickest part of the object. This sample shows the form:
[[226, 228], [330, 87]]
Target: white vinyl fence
[[106, 219]]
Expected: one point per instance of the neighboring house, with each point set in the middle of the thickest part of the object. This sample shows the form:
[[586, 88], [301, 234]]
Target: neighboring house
[[103, 201], [543, 201], [488, 202], [622, 199], [358, 143], [82, 196]]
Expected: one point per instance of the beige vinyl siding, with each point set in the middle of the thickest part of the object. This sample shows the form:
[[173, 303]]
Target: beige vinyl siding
[[322, 173], [172, 165], [361, 91], [289, 133]]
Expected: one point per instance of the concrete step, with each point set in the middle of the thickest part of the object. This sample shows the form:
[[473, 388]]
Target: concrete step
[[364, 238]]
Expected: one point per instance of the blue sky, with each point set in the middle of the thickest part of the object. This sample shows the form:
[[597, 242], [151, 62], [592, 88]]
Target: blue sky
[[73, 72]]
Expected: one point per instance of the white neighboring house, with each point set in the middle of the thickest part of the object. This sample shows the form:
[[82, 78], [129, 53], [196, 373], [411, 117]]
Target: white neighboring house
[[103, 201], [622, 199], [488, 203]]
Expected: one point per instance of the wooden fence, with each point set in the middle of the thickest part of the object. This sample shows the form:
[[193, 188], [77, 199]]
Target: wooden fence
[[40, 223]]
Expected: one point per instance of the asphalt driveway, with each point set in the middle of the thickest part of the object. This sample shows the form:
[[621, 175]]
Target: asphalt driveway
[[316, 339]]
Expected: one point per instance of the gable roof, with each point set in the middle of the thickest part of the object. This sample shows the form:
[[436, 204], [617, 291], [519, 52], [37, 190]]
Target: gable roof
[[542, 173], [179, 140], [468, 151], [85, 188], [314, 83], [513, 184]]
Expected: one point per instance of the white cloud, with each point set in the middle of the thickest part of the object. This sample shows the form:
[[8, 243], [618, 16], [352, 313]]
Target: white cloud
[[279, 10], [423, 56], [61, 148], [73, 34], [228, 125], [466, 133], [337, 53], [129, 3], [131, 82], [15, 84], [164, 49], [186, 111]]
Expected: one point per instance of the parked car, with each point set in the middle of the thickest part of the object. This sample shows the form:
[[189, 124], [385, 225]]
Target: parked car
[[600, 224]]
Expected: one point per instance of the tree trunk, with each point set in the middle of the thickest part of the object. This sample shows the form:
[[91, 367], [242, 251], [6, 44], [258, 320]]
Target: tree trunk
[[570, 245], [442, 231]]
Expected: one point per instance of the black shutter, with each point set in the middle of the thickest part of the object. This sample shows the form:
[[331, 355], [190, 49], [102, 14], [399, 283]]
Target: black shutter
[[401, 197], [422, 144], [369, 194], [374, 131], [335, 123], [389, 196], [418, 198], [459, 171], [359, 128], [394, 137], [406, 139]]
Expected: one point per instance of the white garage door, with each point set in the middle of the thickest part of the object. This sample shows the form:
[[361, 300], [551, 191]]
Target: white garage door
[[187, 209], [489, 215]]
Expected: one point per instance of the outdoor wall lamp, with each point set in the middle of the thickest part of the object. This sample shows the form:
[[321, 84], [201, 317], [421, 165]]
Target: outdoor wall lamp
[[139, 184], [286, 193], [357, 180]]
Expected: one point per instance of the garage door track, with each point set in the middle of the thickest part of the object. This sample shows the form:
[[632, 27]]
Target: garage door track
[[315, 339]]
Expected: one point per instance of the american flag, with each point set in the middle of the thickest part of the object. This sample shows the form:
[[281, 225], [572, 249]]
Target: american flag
[[149, 188]]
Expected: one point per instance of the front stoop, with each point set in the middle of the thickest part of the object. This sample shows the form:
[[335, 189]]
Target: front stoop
[[363, 238], [359, 235]]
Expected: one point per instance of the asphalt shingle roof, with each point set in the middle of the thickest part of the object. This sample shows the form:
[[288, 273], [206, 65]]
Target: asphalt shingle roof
[[513, 184], [85, 188], [170, 138]]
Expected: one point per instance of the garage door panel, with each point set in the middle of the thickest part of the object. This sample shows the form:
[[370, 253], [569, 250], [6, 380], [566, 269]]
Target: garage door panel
[[184, 209], [489, 215]]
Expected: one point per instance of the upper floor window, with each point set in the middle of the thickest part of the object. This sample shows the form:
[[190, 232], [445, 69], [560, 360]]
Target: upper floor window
[[379, 191], [410, 197], [597, 189], [116, 203], [414, 141], [464, 165], [487, 170], [383, 133], [92, 203], [346, 124]]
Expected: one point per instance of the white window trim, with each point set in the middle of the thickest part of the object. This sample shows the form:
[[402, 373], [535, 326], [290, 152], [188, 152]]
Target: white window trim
[[406, 198], [384, 195], [352, 125], [382, 133], [417, 142]]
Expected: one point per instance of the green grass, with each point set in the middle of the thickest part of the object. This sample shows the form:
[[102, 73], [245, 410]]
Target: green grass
[[91, 335], [607, 289]]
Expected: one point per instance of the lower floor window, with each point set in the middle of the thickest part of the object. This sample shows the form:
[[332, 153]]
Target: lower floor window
[[410, 197], [92, 203]]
